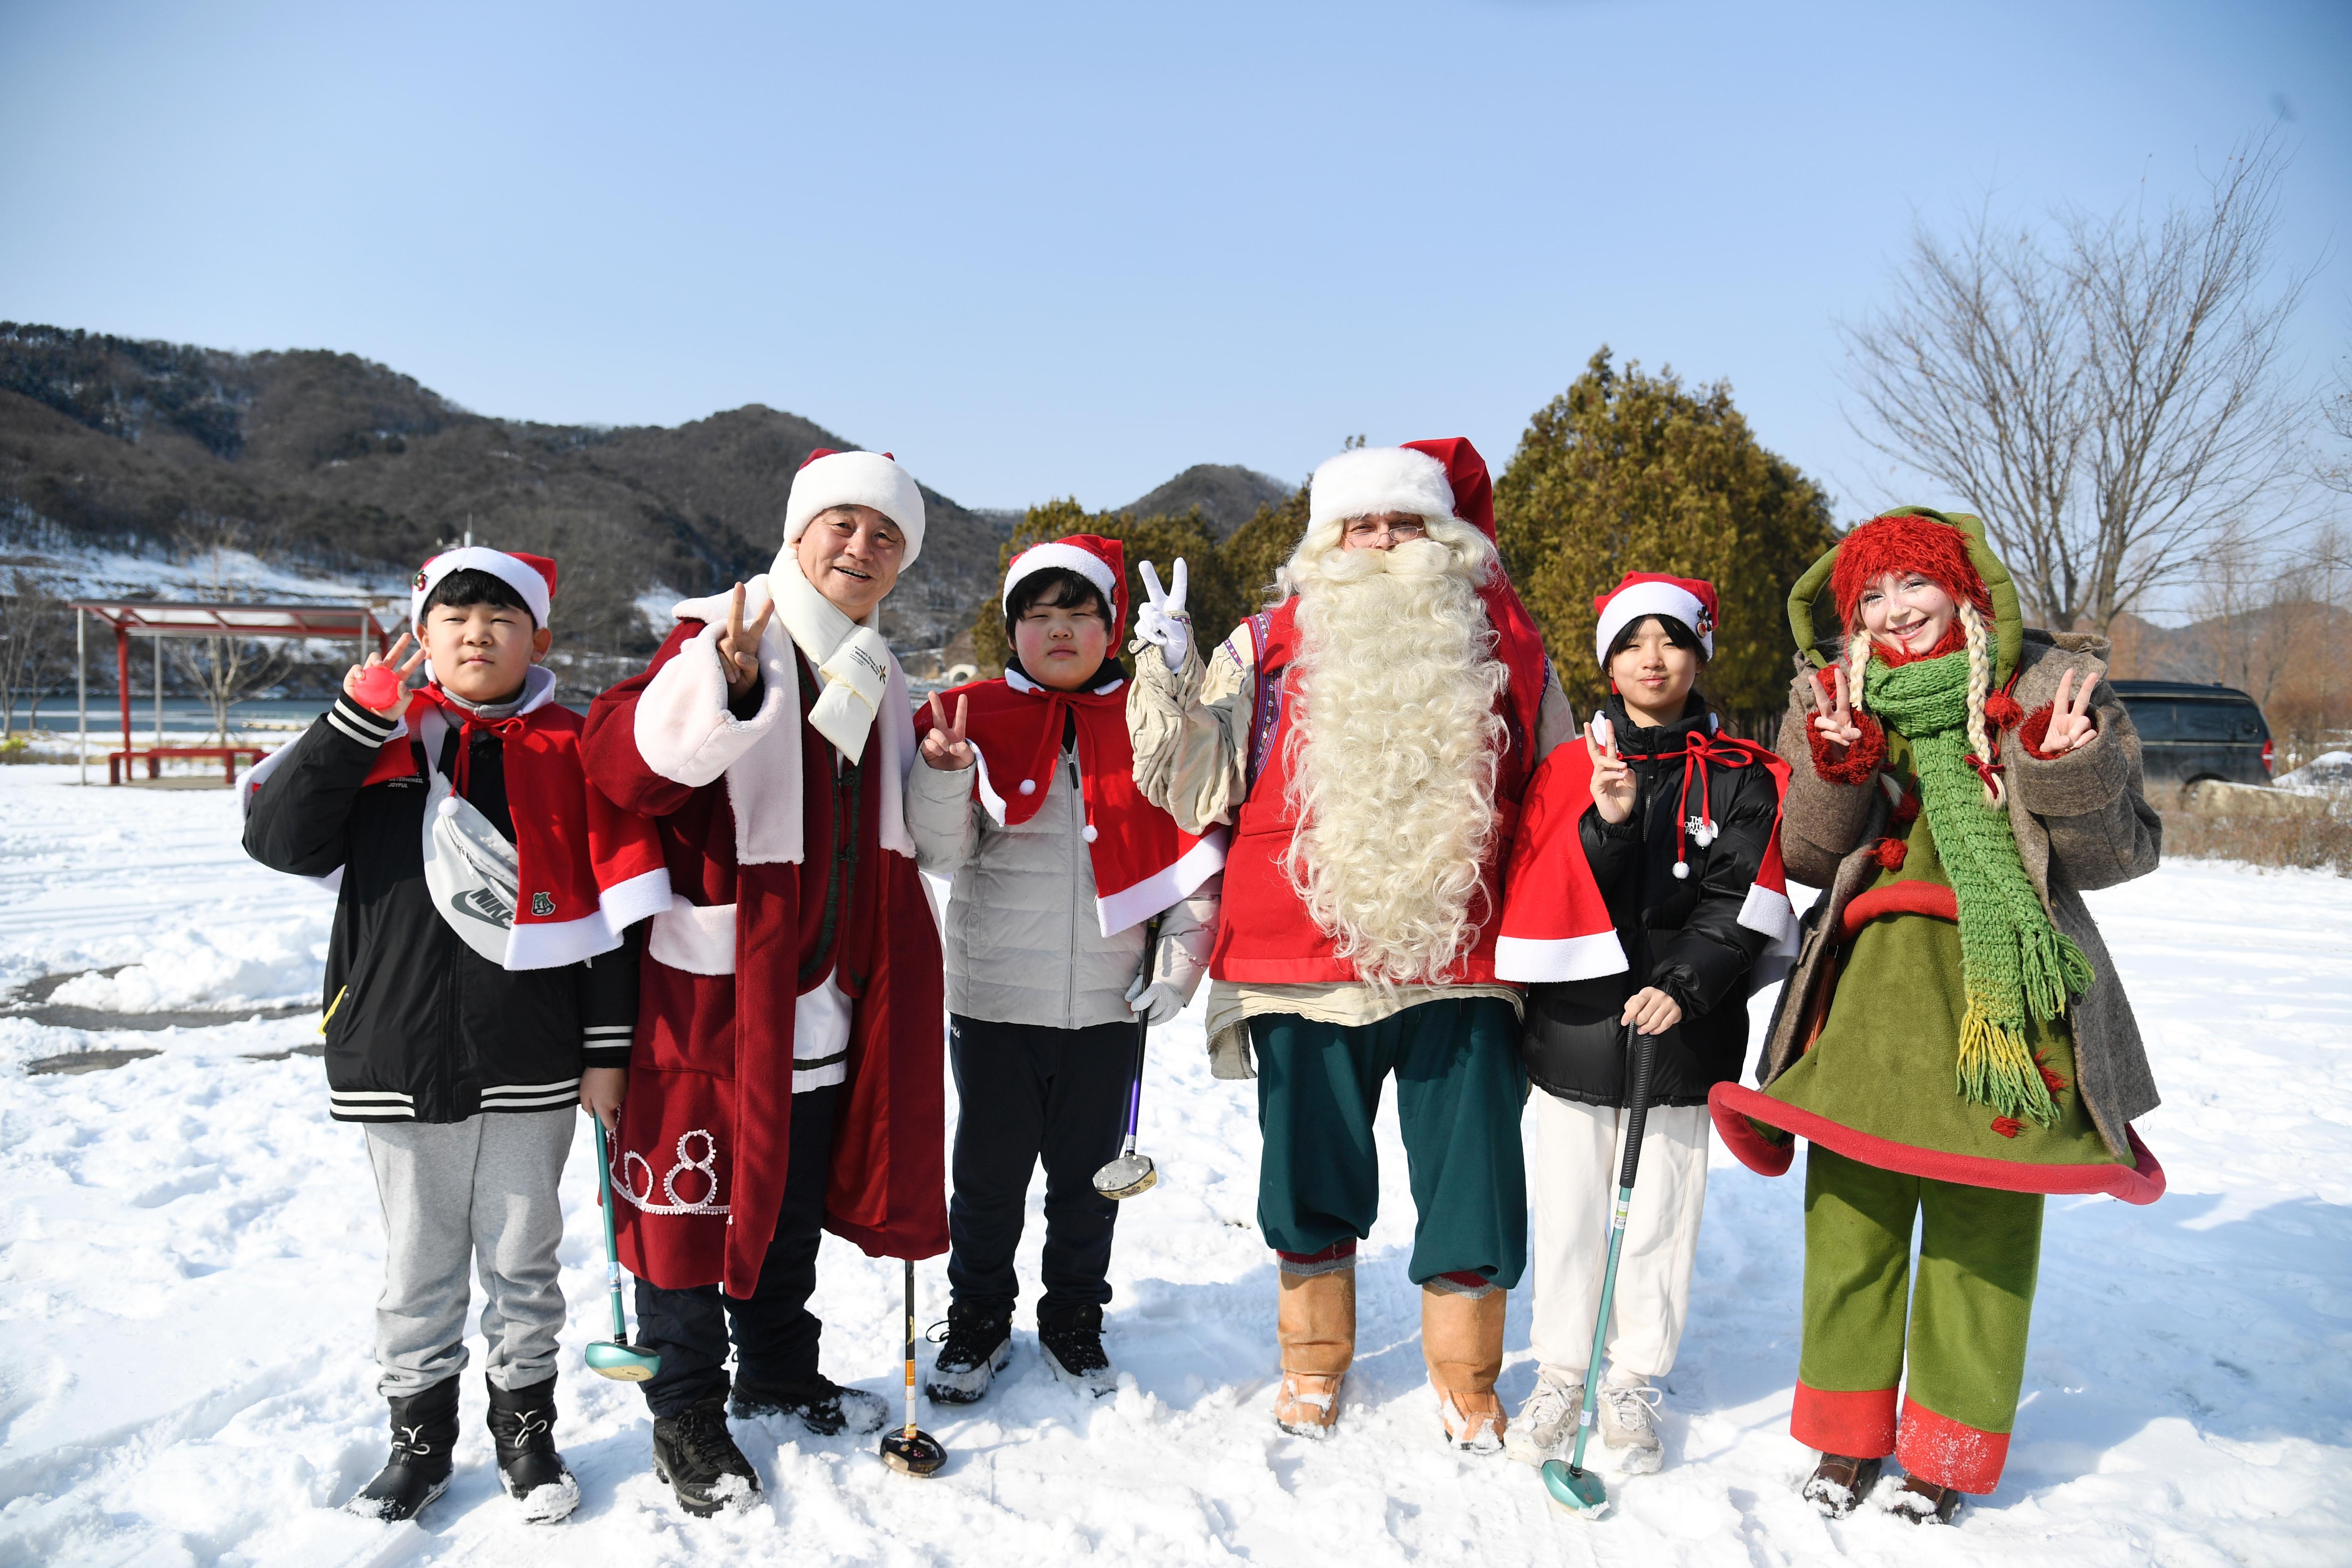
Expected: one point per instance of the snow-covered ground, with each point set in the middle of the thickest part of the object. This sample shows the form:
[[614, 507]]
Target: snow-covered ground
[[190, 1251]]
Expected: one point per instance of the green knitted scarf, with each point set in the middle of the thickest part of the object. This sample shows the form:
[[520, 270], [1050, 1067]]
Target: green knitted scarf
[[2011, 957]]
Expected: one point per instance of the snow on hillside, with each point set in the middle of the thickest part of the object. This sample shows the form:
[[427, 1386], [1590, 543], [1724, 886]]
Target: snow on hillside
[[191, 1249], [93, 571]]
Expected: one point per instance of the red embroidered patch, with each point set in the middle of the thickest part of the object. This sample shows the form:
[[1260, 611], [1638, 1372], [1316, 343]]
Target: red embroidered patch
[[1906, 811], [2050, 1078], [2008, 1126], [1891, 852]]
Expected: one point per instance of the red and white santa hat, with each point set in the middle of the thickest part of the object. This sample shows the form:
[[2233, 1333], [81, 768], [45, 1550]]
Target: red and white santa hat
[[1102, 561], [1687, 599], [831, 479], [1374, 480], [533, 577]]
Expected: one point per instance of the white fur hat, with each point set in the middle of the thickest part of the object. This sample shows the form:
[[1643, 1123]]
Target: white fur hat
[[831, 479], [1372, 479]]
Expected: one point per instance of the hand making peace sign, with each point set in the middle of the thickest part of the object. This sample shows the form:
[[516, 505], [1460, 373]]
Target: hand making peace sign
[[1834, 717], [2071, 728], [739, 645], [387, 693], [944, 745], [1614, 786]]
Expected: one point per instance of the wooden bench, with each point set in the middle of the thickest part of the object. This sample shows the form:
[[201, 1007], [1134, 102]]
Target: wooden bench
[[119, 763]]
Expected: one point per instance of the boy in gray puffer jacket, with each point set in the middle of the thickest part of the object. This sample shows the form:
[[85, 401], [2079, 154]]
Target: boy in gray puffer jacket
[[1062, 873]]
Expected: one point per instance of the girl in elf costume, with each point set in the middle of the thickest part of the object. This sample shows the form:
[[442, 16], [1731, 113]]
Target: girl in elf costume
[[1644, 892], [1954, 1043], [1062, 870]]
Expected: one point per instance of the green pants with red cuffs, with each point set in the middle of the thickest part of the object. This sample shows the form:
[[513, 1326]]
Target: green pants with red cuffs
[[1957, 1367]]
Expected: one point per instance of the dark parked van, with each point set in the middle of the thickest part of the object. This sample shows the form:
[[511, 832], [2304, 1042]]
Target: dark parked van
[[2189, 732]]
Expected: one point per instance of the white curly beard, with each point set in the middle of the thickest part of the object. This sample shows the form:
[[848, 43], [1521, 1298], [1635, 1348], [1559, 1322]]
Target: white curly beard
[[1392, 752]]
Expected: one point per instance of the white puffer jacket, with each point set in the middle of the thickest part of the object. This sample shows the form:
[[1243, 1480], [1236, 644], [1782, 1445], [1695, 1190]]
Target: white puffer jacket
[[1023, 942]]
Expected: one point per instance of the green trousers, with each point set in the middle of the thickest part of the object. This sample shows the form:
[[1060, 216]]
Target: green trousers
[[1459, 1085], [1962, 1358]]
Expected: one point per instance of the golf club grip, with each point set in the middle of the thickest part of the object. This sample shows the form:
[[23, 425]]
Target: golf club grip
[[1642, 1059]]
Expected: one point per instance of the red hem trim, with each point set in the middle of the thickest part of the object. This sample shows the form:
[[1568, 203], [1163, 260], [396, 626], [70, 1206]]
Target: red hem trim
[[1950, 1453], [2141, 1183], [1859, 1426], [1898, 899], [1750, 1147]]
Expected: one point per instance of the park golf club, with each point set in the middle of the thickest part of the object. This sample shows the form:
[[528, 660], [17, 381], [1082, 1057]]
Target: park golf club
[[615, 1358], [910, 1450], [1574, 1488], [1133, 1174]]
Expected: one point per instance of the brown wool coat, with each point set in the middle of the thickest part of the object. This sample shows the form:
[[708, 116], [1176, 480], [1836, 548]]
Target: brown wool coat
[[2082, 821]]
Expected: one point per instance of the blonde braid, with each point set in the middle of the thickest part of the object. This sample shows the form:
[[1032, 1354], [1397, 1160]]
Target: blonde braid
[[1979, 645], [1857, 664]]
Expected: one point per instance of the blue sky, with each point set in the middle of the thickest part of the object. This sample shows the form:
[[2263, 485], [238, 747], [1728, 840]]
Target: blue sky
[[1043, 250]]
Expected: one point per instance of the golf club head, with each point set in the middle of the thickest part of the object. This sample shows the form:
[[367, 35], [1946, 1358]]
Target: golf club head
[[1127, 1176], [1575, 1492], [915, 1453], [621, 1363]]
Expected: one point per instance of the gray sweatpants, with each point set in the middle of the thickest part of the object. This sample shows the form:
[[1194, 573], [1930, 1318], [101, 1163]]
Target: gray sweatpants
[[481, 1191]]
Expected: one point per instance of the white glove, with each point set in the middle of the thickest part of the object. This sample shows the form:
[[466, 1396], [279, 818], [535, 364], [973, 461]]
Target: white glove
[[1154, 1001], [1162, 622]]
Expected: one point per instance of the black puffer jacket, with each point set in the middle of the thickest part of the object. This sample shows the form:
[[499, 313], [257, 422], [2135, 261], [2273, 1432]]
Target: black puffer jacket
[[1681, 935], [420, 1027]]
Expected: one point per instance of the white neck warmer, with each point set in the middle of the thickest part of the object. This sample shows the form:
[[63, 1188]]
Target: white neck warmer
[[851, 658]]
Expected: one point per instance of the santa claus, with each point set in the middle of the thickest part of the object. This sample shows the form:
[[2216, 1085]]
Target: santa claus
[[785, 1078], [1369, 738]]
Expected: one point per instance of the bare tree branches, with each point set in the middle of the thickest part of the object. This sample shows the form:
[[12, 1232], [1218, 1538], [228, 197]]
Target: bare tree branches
[[32, 634], [2108, 394], [225, 670]]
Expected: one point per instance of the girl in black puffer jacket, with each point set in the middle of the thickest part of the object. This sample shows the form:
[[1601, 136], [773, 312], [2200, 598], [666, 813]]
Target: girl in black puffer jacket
[[1679, 823]]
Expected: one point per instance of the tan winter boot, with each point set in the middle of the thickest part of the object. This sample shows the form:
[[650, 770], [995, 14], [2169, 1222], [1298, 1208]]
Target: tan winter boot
[[1461, 1340], [1316, 1320]]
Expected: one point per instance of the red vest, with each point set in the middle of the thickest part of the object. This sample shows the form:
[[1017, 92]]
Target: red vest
[[1265, 935]]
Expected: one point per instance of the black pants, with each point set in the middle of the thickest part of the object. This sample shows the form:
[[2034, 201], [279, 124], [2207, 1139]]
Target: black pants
[[775, 1334], [1024, 1093]]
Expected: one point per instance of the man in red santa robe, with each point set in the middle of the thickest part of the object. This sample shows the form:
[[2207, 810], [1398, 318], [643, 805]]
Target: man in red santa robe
[[786, 1075], [1368, 739]]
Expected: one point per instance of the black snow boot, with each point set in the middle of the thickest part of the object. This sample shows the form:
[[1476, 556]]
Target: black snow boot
[[1071, 1337], [424, 1438], [695, 1453], [824, 1406], [979, 1343], [522, 1424]]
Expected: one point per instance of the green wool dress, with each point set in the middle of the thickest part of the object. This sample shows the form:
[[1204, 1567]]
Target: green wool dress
[[1885, 1063]]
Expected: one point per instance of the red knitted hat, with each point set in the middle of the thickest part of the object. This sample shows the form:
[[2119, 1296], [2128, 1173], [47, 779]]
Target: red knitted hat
[[1905, 542]]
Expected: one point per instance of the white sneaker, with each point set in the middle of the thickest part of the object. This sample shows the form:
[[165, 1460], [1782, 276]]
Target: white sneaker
[[1629, 1420], [1545, 1424]]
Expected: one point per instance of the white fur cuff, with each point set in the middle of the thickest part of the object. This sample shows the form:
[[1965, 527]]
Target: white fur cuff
[[683, 730]]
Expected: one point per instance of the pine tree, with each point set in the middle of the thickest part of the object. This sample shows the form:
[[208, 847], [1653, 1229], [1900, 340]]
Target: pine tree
[[1631, 472]]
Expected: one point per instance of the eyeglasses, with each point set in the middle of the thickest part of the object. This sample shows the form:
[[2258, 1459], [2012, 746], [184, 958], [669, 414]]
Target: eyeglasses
[[1364, 531]]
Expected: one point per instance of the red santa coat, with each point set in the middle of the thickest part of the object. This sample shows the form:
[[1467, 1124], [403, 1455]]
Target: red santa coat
[[779, 885]]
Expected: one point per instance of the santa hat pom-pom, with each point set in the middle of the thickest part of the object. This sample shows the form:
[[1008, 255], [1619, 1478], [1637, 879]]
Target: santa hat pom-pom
[[1682, 871], [448, 806], [2001, 710], [1891, 853]]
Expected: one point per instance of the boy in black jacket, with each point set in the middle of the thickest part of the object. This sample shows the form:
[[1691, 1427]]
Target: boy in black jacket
[[477, 987]]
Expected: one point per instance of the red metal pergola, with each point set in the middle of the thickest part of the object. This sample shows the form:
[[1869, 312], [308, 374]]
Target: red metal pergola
[[160, 618]]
